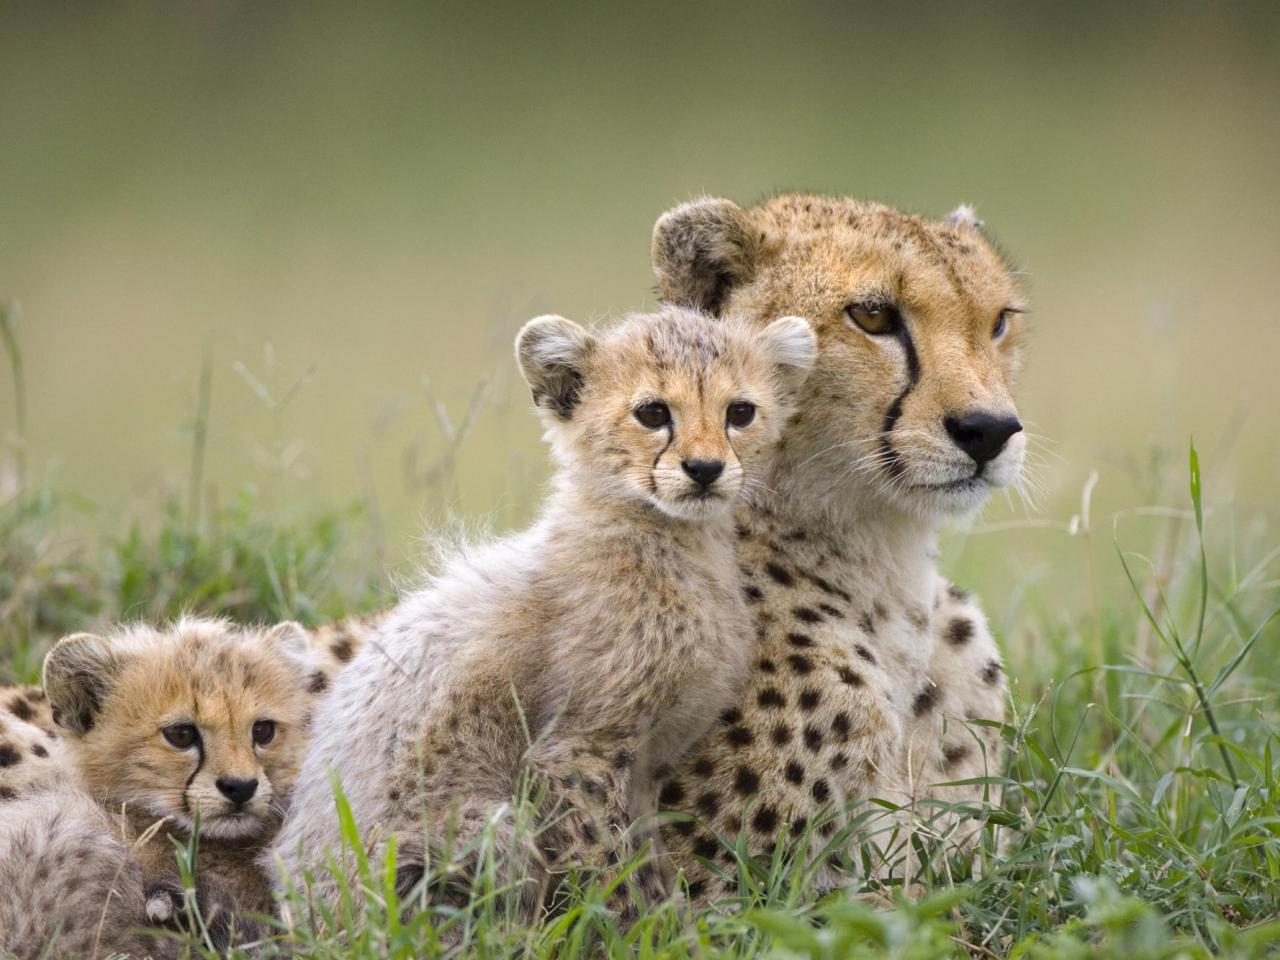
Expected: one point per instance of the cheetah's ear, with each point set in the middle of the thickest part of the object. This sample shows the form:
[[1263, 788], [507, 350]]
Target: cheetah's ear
[[552, 353], [701, 250], [78, 674], [793, 347], [964, 217], [290, 637]]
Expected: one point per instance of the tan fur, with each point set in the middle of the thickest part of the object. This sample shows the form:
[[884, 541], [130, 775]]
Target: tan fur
[[112, 699], [590, 648], [32, 756], [868, 669]]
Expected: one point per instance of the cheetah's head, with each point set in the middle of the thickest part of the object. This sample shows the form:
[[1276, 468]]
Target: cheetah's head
[[202, 719], [919, 327], [674, 409]]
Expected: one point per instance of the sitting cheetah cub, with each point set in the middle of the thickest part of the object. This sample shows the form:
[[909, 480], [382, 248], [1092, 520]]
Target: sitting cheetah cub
[[159, 728], [592, 647]]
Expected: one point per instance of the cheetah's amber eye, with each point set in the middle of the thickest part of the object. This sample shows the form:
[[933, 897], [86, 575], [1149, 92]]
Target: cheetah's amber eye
[[264, 731], [181, 735], [653, 415], [740, 414], [874, 318]]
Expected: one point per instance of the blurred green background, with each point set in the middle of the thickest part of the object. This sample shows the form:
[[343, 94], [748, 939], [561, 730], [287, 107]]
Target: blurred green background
[[350, 210]]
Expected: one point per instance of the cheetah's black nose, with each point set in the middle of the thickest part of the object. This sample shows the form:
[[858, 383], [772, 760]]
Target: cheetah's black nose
[[704, 472], [982, 435], [238, 792]]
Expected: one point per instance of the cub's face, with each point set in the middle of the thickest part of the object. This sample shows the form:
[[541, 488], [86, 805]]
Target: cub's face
[[675, 409], [203, 720], [919, 327]]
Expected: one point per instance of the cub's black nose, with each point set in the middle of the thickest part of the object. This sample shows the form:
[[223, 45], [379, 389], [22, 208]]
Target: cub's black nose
[[238, 792], [982, 435], [704, 472]]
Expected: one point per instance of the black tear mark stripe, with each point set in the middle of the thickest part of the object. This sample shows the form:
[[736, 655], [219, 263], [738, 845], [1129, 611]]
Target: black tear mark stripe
[[653, 480], [891, 415], [186, 805]]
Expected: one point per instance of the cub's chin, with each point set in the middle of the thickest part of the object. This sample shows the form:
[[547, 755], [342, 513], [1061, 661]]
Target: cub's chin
[[694, 506]]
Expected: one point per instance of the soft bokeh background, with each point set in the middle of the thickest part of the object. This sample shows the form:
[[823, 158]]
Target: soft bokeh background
[[350, 211]]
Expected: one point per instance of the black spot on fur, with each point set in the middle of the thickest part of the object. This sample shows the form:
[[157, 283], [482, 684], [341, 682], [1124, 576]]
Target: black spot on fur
[[623, 759], [991, 672], [849, 677], [39, 751], [747, 782], [794, 773], [741, 531], [393, 795], [7, 793], [831, 611], [697, 889], [672, 793], [753, 593], [807, 615], [865, 622], [19, 707], [800, 664], [809, 698], [767, 666], [954, 753], [864, 653], [706, 848], [959, 631], [708, 803], [960, 596], [343, 649], [826, 586], [683, 827], [8, 755], [799, 639], [781, 735], [879, 610], [925, 700], [739, 736], [780, 575], [771, 698], [319, 683], [813, 738], [765, 820], [798, 825], [703, 767], [841, 726], [839, 762], [731, 716], [821, 791]]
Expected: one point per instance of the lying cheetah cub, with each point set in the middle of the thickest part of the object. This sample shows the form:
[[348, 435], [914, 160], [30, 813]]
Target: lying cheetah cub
[[594, 646], [159, 727]]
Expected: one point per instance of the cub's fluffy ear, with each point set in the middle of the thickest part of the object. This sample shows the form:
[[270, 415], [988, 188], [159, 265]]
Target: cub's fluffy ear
[[552, 353], [964, 217], [78, 674], [290, 638], [701, 250], [793, 347]]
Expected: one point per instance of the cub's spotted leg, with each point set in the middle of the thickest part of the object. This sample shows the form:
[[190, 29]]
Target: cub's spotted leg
[[458, 850], [590, 780]]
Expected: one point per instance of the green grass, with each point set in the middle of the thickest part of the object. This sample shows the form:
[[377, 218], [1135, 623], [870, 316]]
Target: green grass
[[1139, 816]]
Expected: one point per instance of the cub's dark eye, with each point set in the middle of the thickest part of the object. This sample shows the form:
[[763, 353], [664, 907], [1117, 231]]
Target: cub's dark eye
[[181, 735], [264, 731], [1002, 324], [873, 318], [653, 415], [740, 414]]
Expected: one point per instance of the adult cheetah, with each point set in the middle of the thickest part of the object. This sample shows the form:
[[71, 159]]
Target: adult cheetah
[[869, 669]]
